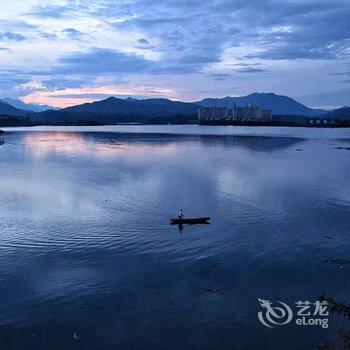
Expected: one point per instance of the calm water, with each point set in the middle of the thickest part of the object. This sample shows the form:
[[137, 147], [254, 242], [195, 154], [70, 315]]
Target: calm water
[[86, 246]]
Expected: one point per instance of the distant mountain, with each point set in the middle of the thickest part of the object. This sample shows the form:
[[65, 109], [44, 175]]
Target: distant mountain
[[25, 106], [159, 110], [7, 109], [342, 113], [116, 110], [278, 103]]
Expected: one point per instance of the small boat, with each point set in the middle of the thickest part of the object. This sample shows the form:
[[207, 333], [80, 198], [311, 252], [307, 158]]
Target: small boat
[[183, 221]]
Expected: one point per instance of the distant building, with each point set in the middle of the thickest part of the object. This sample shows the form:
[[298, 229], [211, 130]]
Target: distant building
[[248, 112], [251, 112], [212, 113], [266, 113]]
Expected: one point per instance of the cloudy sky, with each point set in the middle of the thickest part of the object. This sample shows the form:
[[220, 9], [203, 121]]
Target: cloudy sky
[[67, 52]]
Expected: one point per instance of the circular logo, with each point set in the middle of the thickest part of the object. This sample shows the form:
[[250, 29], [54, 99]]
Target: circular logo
[[275, 313]]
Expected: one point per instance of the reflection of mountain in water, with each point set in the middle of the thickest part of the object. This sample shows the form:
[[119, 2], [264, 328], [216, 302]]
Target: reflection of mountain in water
[[345, 140], [115, 144], [253, 143]]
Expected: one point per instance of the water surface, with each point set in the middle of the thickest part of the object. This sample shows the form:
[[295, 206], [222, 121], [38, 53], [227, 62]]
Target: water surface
[[86, 245]]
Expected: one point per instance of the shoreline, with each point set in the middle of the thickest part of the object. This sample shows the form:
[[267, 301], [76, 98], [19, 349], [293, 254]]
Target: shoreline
[[252, 124], [193, 130]]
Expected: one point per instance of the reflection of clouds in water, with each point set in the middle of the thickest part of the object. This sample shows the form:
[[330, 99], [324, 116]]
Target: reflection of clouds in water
[[42, 145], [71, 174], [57, 193], [252, 143], [230, 182], [71, 144], [275, 180], [252, 182], [46, 185], [41, 192], [308, 133]]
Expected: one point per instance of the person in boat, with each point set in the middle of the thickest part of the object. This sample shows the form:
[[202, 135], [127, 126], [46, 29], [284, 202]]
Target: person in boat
[[181, 215]]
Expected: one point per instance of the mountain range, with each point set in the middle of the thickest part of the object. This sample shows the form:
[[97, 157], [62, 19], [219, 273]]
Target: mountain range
[[7, 109], [116, 110], [26, 106], [278, 103], [342, 113]]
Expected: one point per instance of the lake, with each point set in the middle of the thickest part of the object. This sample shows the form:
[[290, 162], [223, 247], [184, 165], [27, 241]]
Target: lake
[[86, 246]]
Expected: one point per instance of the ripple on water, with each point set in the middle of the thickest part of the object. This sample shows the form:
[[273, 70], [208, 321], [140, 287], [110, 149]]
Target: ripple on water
[[86, 232]]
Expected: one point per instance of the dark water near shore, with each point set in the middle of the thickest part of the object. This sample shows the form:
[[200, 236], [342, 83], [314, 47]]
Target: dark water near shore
[[86, 246]]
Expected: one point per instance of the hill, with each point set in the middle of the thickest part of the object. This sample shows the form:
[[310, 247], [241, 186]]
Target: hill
[[342, 113], [278, 103], [7, 109], [116, 110], [26, 106]]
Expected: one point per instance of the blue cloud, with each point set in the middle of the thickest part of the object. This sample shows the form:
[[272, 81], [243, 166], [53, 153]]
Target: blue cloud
[[313, 29], [102, 61], [191, 38], [250, 70], [11, 36], [73, 33], [333, 98], [219, 76], [10, 80], [143, 41], [51, 11]]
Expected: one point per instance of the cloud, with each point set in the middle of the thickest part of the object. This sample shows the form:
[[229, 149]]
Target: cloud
[[98, 61], [219, 76], [250, 70], [243, 64], [344, 74], [180, 42], [305, 30], [58, 82], [69, 97], [51, 11], [96, 96], [144, 44], [143, 41], [73, 33], [341, 74], [92, 96], [18, 25], [101, 61], [11, 82], [287, 30], [201, 57], [284, 52], [335, 98], [147, 23], [10, 36], [187, 35]]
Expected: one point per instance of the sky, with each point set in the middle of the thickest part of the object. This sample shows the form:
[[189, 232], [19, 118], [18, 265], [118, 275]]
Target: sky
[[68, 52]]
